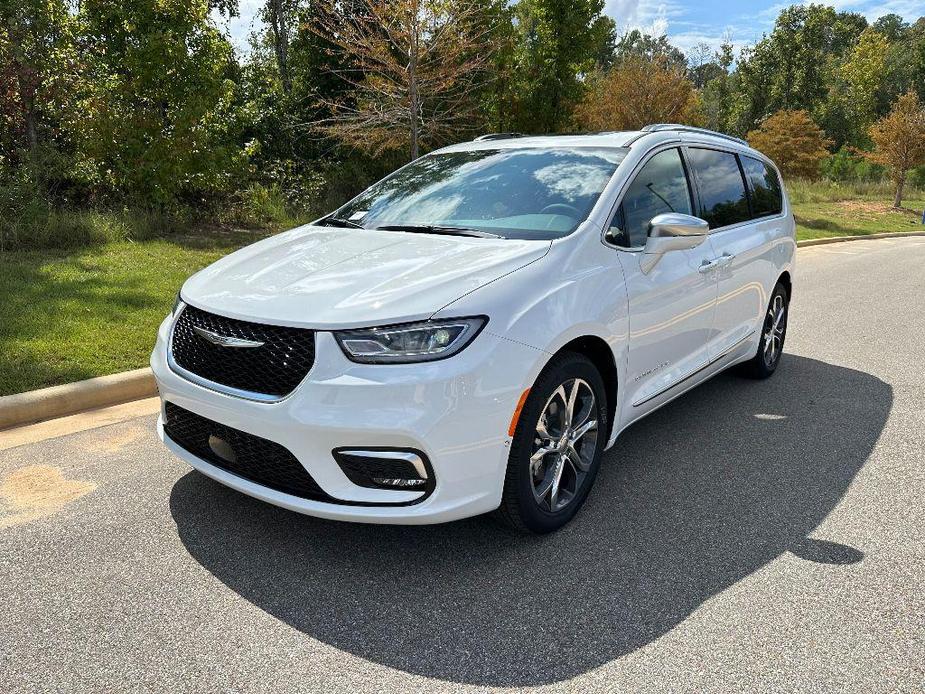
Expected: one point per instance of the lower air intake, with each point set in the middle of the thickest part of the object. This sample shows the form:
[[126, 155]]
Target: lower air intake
[[253, 458]]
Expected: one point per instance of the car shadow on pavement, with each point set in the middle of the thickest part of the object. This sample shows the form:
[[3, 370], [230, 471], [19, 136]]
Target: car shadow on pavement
[[690, 500]]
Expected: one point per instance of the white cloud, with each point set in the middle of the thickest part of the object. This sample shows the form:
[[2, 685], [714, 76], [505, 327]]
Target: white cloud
[[649, 17]]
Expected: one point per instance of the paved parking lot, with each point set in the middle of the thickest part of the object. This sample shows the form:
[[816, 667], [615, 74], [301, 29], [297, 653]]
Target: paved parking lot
[[750, 536]]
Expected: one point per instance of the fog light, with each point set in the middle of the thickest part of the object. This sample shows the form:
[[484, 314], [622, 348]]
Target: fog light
[[222, 449], [385, 468]]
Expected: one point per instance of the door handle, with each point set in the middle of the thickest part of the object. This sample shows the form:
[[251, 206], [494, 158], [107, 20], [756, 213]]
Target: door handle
[[708, 266], [725, 260]]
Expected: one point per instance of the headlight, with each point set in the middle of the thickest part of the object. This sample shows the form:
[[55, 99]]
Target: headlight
[[412, 342]]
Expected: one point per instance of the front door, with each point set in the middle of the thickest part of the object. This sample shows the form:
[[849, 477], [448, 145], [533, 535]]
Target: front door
[[671, 305]]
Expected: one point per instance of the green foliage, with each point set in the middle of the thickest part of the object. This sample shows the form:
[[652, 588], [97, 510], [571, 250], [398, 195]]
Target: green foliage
[[852, 102], [716, 94], [558, 40], [847, 165], [654, 49], [794, 66], [158, 115]]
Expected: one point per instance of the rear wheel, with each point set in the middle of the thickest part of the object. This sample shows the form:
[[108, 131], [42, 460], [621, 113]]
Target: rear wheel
[[557, 446], [773, 333]]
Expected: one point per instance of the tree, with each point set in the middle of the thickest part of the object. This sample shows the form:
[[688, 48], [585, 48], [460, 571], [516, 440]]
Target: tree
[[558, 43], [703, 65], [34, 43], [795, 143], [899, 140], [498, 97], [852, 103], [157, 116], [716, 92], [793, 68], [416, 67], [905, 60], [280, 17], [653, 48], [636, 93], [892, 27]]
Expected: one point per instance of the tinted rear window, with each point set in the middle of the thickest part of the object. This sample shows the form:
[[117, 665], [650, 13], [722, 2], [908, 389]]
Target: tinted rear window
[[765, 187], [723, 199]]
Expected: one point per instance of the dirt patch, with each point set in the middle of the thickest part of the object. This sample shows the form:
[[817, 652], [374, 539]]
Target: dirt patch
[[109, 442], [35, 492], [872, 209]]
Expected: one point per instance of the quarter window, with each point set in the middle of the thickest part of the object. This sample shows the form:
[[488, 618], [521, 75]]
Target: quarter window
[[723, 200], [660, 187], [764, 187]]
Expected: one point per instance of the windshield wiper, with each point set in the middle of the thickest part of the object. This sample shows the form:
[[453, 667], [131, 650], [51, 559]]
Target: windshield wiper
[[438, 229], [338, 222]]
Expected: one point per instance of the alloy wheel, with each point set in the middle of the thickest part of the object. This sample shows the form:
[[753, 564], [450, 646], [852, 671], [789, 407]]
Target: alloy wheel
[[775, 325], [564, 445]]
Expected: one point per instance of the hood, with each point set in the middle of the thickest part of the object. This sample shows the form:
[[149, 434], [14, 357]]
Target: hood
[[323, 277]]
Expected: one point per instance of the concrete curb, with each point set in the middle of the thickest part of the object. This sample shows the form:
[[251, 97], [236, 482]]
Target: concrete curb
[[868, 237], [73, 398], [60, 401]]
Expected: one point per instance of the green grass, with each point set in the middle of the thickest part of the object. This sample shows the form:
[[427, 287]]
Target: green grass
[[71, 315], [825, 209]]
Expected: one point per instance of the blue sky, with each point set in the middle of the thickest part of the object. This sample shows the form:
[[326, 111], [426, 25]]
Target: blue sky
[[687, 22]]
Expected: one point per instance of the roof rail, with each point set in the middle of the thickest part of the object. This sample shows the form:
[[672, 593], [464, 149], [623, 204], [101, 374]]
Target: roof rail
[[497, 136], [659, 127]]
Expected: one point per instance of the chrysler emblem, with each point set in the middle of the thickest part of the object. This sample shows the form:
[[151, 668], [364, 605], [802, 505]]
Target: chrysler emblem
[[225, 340]]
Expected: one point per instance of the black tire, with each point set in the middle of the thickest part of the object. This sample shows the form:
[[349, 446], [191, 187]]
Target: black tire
[[520, 509], [766, 360]]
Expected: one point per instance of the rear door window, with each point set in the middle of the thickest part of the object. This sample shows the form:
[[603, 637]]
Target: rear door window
[[764, 187], [723, 200]]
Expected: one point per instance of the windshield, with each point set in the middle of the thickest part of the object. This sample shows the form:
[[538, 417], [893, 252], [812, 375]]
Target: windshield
[[513, 193]]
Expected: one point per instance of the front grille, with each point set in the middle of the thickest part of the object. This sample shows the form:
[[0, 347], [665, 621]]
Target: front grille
[[245, 455], [274, 369]]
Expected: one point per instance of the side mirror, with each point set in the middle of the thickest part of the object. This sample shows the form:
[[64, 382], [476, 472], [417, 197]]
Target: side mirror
[[672, 232]]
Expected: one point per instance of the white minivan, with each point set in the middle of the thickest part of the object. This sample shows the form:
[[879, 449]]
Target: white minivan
[[470, 334]]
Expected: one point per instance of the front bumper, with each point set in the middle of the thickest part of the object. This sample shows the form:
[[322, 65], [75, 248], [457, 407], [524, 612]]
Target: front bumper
[[456, 411]]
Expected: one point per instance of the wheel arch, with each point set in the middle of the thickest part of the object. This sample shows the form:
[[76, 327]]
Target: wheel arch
[[601, 355], [785, 280]]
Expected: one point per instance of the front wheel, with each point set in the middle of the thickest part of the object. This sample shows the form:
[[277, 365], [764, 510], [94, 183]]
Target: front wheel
[[557, 446], [773, 333]]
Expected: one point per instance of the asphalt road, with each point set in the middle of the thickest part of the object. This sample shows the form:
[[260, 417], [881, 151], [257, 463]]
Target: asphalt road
[[751, 536]]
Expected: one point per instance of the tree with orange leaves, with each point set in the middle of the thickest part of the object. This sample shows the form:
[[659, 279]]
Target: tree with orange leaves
[[794, 141], [637, 92], [899, 140]]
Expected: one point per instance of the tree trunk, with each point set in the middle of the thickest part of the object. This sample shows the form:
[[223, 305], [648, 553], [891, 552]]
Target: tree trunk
[[900, 184], [27, 79], [279, 25], [414, 96], [32, 136], [415, 120]]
